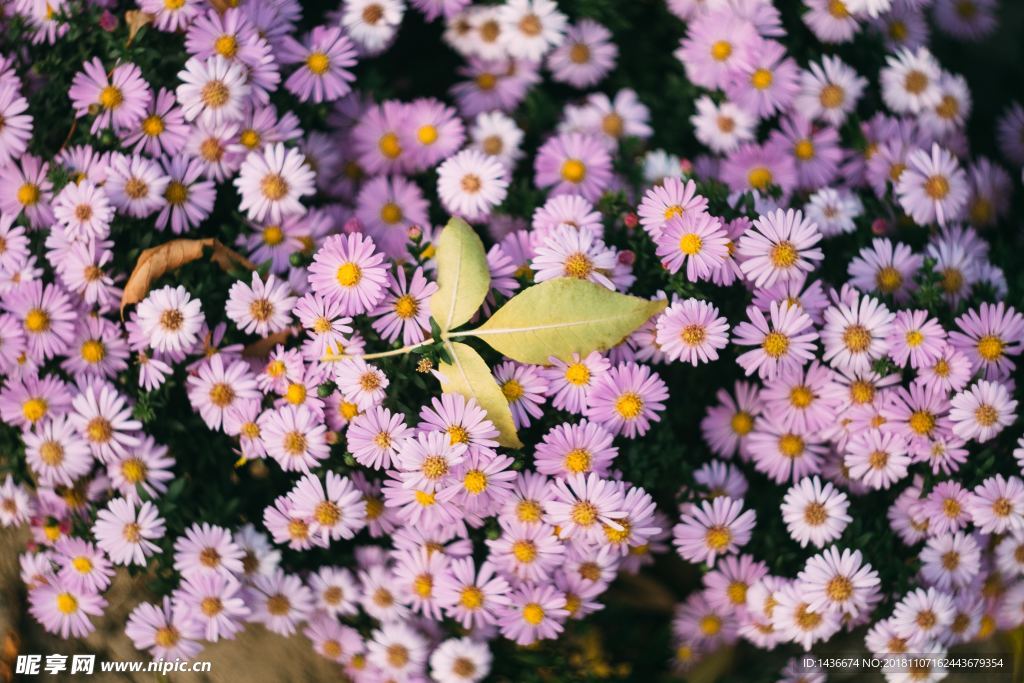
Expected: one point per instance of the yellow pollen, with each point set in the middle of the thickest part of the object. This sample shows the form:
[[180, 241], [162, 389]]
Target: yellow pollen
[[215, 94], [273, 187], [832, 96], [718, 537], [990, 348], [921, 423], [761, 79], [226, 46], [28, 194], [856, 338], [99, 430], [721, 50], [110, 97], [759, 178], [425, 498], [529, 511], [577, 460], [37, 321], [690, 244], [51, 453], [318, 63], [742, 423], [801, 396], [176, 193], [389, 145], [577, 374], [349, 274], [166, 636], [136, 188], [525, 552], [295, 393], [152, 125], [791, 445], [693, 335], [427, 135], [475, 482], [294, 444], [584, 513], [66, 603], [471, 183], [937, 187], [986, 415], [578, 266], [775, 344], [222, 395], [512, 390], [629, 405], [533, 614], [250, 138], [915, 82], [133, 470], [784, 255], [579, 53], [804, 150], [573, 171], [34, 409]]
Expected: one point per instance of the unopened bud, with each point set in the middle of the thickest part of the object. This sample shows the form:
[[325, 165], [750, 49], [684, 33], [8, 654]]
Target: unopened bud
[[352, 225], [108, 22], [879, 226], [627, 257], [630, 220]]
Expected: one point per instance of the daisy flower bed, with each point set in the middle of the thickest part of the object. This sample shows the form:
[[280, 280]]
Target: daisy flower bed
[[517, 341]]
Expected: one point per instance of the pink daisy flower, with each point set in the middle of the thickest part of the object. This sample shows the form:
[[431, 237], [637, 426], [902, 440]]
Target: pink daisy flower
[[713, 529], [207, 549], [325, 56], [988, 335], [692, 331], [280, 602], [213, 604], [933, 188], [334, 507], [570, 449], [802, 399], [527, 552], [461, 418], [260, 308], [217, 386], [103, 419], [127, 534], [856, 333], [273, 181], [575, 253], [573, 163], [525, 389], [189, 198], [154, 628], [877, 458], [56, 453], [376, 436], [46, 315], [783, 454], [997, 505], [533, 613], [670, 199], [17, 130], [779, 247], [696, 238], [64, 609], [786, 342], [570, 382], [405, 310], [815, 513], [585, 56], [627, 399], [433, 133], [886, 268], [726, 426], [121, 99], [84, 211], [916, 339], [295, 437], [348, 269], [981, 412], [766, 81]]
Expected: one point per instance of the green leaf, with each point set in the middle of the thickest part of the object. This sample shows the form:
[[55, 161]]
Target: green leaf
[[468, 374], [463, 277], [561, 317]]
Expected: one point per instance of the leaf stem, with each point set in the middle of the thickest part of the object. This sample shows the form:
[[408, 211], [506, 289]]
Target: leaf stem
[[381, 354]]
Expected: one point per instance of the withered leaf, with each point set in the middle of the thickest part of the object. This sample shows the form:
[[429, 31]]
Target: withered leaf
[[161, 259]]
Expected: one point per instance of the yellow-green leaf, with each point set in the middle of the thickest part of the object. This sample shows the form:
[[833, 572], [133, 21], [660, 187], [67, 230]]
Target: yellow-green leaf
[[469, 375], [561, 317], [463, 277]]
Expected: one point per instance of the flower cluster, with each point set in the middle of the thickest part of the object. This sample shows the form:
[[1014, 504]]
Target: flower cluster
[[825, 248]]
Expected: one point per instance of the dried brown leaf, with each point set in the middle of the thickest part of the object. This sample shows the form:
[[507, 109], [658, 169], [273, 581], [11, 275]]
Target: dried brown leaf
[[135, 20], [156, 261]]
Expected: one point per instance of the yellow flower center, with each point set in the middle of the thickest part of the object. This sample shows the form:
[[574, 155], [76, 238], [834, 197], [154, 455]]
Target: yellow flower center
[[273, 187], [718, 537], [389, 145], [759, 178], [742, 423], [990, 348], [226, 46], [349, 274], [578, 266], [66, 603], [34, 409], [525, 552], [577, 460], [804, 150], [573, 171], [937, 187], [475, 482], [28, 194], [791, 445], [533, 614], [721, 50], [110, 97], [318, 63], [775, 344], [629, 405], [856, 338], [427, 134], [690, 244], [761, 79], [832, 96]]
